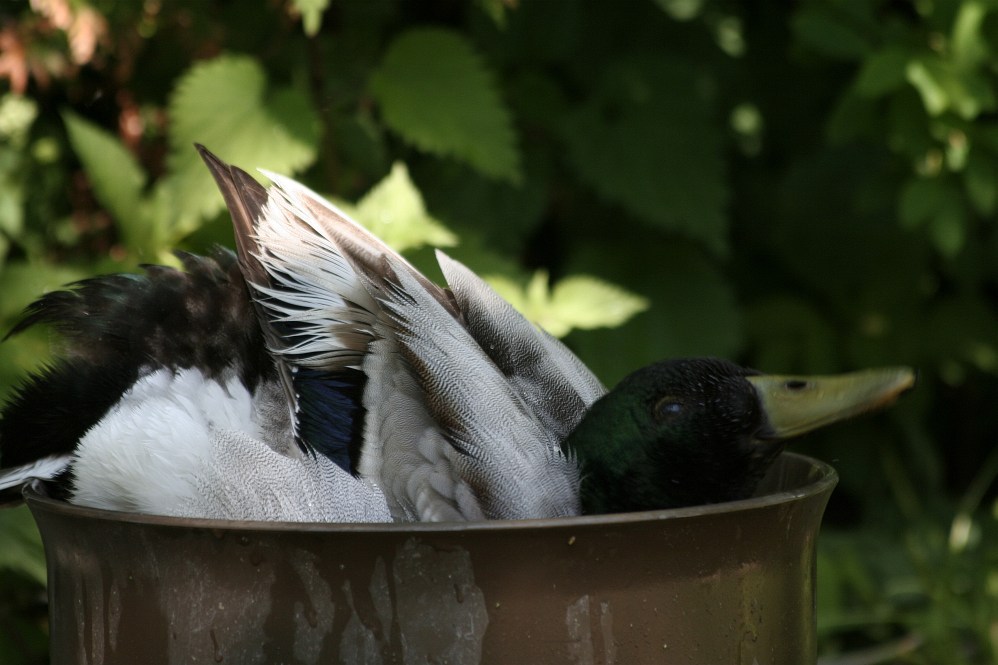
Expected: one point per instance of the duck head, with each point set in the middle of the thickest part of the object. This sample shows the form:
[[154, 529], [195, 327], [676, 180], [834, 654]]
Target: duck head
[[695, 431]]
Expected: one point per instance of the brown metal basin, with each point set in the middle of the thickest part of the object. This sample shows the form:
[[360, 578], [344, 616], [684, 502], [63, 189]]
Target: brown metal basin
[[716, 585]]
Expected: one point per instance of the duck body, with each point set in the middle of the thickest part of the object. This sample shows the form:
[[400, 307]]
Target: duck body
[[316, 375], [340, 365]]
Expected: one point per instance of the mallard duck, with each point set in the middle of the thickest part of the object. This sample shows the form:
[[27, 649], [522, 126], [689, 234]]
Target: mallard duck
[[316, 375]]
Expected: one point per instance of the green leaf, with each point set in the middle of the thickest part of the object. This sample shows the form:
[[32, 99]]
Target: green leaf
[[948, 229], [227, 105], [576, 302], [692, 309], [583, 302], [832, 31], [883, 72], [21, 282], [394, 211], [944, 87], [935, 202], [922, 198], [968, 45], [17, 115], [504, 215], [22, 545], [115, 175], [980, 179], [924, 76], [437, 94], [647, 142], [789, 335], [311, 14], [681, 10]]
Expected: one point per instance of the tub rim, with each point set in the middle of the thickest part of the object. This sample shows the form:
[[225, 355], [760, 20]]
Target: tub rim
[[821, 478]]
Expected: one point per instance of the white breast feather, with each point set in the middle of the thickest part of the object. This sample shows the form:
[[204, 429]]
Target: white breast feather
[[179, 444]]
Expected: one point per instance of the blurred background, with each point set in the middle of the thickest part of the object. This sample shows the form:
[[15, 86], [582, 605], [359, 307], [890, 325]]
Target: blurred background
[[804, 187]]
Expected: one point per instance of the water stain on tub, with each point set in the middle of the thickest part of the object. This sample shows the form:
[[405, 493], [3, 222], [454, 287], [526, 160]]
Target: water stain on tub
[[441, 612], [313, 614]]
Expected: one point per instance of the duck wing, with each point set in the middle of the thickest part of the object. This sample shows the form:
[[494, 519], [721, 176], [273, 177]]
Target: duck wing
[[463, 404], [165, 400]]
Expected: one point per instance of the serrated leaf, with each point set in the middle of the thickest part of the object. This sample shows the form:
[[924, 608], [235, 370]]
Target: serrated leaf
[[584, 302], [647, 142], [504, 215], [227, 105], [576, 302], [394, 211], [311, 14], [435, 92], [115, 175]]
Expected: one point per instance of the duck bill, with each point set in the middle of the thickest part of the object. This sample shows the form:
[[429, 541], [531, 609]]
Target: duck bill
[[794, 405]]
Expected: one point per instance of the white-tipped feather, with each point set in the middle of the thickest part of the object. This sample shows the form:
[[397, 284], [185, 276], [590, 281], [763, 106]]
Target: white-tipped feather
[[466, 402], [45, 468], [449, 432]]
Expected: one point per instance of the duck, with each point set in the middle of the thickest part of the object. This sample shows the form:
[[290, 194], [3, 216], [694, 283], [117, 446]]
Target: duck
[[315, 375]]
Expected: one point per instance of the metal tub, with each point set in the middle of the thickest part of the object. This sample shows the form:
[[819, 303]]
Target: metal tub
[[722, 584]]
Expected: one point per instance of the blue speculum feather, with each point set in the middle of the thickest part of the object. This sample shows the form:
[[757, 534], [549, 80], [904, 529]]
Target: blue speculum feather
[[331, 414]]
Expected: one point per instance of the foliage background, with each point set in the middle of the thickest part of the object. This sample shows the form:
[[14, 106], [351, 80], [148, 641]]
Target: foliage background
[[803, 188]]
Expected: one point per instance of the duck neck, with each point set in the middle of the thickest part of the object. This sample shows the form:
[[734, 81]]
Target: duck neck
[[615, 475]]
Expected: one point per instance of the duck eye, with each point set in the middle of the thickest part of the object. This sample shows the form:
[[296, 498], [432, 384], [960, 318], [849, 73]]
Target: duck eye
[[668, 408]]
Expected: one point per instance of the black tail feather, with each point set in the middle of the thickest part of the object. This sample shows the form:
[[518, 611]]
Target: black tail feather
[[116, 327]]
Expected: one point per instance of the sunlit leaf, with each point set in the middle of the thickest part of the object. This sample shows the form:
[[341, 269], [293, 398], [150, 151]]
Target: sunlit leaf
[[311, 14], [114, 173], [17, 114], [584, 302], [395, 212], [576, 302], [925, 76], [227, 105], [969, 46], [681, 10], [436, 92], [944, 87], [21, 283]]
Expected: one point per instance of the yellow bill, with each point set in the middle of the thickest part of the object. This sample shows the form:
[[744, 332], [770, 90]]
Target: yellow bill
[[798, 404]]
